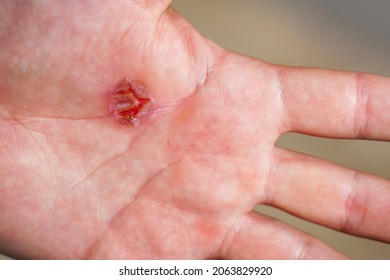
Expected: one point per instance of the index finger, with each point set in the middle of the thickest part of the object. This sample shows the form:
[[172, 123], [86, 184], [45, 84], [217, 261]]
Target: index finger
[[335, 104]]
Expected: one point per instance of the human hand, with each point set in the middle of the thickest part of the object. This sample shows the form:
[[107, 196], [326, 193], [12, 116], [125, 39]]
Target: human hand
[[75, 184]]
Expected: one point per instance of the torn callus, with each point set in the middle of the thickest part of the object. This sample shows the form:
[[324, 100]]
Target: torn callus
[[129, 102]]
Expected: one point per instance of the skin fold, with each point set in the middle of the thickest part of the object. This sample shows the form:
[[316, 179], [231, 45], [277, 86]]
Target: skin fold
[[75, 184]]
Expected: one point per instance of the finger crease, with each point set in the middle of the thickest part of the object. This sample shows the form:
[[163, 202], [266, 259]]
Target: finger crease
[[361, 109], [354, 209], [302, 253]]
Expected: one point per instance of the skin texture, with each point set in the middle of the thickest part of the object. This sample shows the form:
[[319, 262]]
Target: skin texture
[[74, 184]]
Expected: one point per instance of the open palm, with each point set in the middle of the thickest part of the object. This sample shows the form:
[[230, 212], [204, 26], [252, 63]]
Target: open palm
[[76, 184]]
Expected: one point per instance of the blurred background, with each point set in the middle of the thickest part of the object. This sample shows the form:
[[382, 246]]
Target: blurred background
[[344, 35]]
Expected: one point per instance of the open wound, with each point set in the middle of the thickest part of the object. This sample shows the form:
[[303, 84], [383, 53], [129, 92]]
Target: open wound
[[129, 103]]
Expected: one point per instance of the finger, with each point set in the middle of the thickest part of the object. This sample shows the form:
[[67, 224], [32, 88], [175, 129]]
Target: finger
[[260, 237], [335, 104], [330, 195]]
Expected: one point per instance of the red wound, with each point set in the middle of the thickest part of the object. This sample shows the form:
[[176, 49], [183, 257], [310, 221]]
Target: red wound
[[129, 102]]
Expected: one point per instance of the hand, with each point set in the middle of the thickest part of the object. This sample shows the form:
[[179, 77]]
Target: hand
[[181, 185]]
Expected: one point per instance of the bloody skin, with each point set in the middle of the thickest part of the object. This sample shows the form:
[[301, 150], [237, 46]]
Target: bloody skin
[[128, 102]]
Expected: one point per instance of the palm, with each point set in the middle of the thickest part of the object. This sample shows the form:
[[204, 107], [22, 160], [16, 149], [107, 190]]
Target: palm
[[181, 186]]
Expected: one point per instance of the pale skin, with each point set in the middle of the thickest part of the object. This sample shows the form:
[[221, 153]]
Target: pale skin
[[75, 184]]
